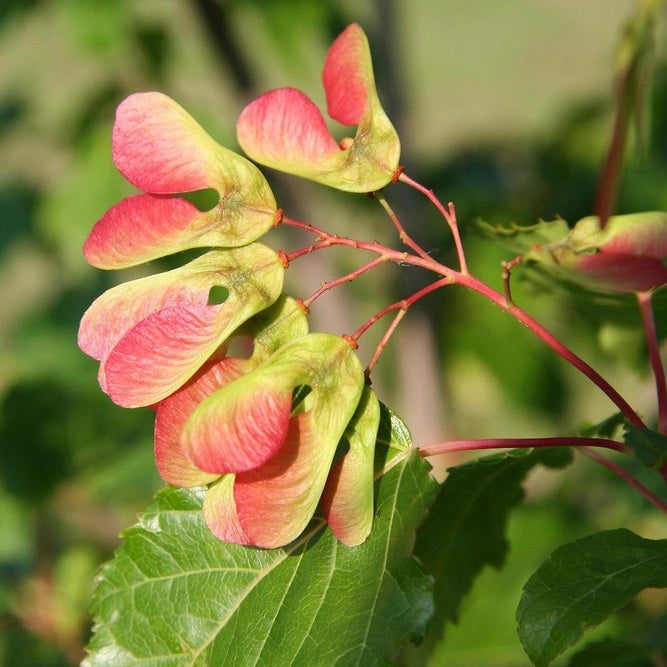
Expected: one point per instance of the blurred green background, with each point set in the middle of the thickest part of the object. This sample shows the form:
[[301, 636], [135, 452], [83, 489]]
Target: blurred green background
[[504, 108]]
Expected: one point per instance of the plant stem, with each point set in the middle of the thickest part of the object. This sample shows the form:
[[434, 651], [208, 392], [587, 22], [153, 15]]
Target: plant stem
[[506, 277], [326, 240], [402, 234], [344, 279], [448, 214], [403, 304], [625, 476], [402, 307], [513, 443], [584, 445], [385, 339], [646, 308], [558, 347], [611, 170]]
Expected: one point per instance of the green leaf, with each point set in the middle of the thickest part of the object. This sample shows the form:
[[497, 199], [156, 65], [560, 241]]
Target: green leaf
[[393, 440], [521, 239], [604, 429], [465, 529], [175, 595], [541, 273], [649, 446], [581, 583]]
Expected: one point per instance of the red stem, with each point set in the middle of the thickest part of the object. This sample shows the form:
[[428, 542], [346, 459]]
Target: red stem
[[558, 347], [511, 443], [646, 309], [403, 304], [625, 476], [385, 339], [402, 234], [584, 445], [344, 279], [402, 307], [447, 213], [611, 170], [469, 281]]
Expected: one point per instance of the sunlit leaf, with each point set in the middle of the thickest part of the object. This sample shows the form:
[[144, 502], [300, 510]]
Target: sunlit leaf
[[175, 595]]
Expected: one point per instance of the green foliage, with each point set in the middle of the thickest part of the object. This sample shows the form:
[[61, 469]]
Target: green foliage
[[393, 439], [614, 315], [581, 584], [520, 239], [465, 529], [174, 594], [604, 429], [650, 447]]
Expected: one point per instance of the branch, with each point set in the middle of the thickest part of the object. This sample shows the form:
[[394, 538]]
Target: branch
[[646, 309], [326, 240], [514, 443], [449, 214], [348, 277], [402, 234], [625, 476]]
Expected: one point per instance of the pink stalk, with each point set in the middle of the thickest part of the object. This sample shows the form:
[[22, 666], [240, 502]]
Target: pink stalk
[[385, 339], [646, 309], [403, 304], [584, 445], [344, 279], [448, 214], [558, 347], [402, 234], [513, 443], [454, 277], [625, 476]]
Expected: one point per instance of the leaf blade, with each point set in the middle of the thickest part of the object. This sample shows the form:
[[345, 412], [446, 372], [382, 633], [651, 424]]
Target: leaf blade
[[465, 529], [175, 595], [581, 583], [650, 447]]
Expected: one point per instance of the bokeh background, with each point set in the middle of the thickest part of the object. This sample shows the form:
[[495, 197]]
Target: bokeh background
[[504, 108]]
